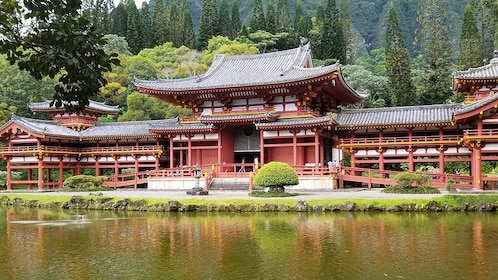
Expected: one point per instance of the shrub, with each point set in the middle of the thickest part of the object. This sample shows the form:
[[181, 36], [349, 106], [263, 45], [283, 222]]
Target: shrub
[[408, 179], [85, 182], [449, 184], [411, 183], [3, 177], [275, 176]]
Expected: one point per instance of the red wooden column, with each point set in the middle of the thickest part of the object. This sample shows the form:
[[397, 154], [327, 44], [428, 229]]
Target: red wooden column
[[97, 164], [189, 150], [40, 165], [9, 172], [261, 147], [61, 172], [441, 153], [40, 171], [411, 165], [476, 170], [294, 147], [381, 151], [171, 153], [116, 164], [30, 177], [322, 151], [317, 149], [135, 157], [219, 149]]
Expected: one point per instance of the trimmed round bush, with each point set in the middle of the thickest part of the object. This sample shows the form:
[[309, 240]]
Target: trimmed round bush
[[276, 175]]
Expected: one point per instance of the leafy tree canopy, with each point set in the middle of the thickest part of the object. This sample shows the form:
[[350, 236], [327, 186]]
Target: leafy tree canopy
[[51, 38]]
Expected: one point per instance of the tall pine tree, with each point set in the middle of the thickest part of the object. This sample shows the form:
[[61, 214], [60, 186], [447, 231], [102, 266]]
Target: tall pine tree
[[175, 23], [119, 19], [133, 29], [284, 18], [146, 26], [332, 45], [470, 48], [347, 28], [258, 19], [271, 19], [435, 41], [397, 63], [208, 26], [224, 19], [188, 27], [486, 25], [160, 23], [235, 23]]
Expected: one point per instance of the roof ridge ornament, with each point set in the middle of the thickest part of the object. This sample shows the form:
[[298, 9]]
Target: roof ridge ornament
[[494, 60]]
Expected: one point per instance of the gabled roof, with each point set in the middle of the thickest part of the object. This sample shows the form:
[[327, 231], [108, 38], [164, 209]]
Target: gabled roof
[[489, 71], [470, 110], [397, 116], [247, 70], [222, 118], [474, 78], [307, 122], [112, 130], [243, 72], [176, 128], [123, 129], [92, 106], [40, 127]]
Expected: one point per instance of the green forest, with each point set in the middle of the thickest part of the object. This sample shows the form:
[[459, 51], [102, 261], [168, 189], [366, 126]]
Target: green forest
[[401, 52]]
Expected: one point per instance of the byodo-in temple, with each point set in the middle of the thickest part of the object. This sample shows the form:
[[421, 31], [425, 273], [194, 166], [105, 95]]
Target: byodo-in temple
[[250, 110]]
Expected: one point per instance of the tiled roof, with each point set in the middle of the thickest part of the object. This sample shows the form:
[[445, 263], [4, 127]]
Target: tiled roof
[[408, 115], [99, 131], [123, 129], [175, 127], [248, 70], [475, 105], [42, 127], [489, 71], [237, 117], [297, 122], [93, 105]]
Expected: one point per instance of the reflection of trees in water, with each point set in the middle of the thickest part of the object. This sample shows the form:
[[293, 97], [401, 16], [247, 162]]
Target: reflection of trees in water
[[285, 245]]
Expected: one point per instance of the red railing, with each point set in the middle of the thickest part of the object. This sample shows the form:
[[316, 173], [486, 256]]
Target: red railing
[[401, 140], [57, 149], [126, 180], [484, 132]]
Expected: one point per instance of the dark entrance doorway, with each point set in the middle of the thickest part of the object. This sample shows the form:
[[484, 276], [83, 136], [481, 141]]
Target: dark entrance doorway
[[246, 145]]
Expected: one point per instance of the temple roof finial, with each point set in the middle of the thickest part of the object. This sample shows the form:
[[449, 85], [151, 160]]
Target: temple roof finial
[[494, 60]]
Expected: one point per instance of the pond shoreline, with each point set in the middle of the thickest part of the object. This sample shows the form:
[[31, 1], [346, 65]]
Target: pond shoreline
[[351, 200]]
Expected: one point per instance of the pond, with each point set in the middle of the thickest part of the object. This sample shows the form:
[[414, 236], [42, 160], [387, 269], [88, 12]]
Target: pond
[[42, 244]]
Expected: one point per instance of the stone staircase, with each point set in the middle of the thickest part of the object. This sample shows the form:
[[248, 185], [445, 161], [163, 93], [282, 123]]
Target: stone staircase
[[240, 184]]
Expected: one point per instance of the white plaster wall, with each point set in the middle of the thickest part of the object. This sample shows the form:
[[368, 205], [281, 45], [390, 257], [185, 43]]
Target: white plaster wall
[[174, 183], [314, 183]]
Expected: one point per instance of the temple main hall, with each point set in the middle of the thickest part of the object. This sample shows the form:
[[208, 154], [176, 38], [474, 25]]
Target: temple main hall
[[253, 109]]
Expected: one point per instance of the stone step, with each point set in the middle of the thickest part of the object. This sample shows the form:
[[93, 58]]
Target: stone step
[[230, 184]]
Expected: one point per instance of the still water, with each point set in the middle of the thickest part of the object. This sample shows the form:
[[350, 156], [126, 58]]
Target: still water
[[42, 244]]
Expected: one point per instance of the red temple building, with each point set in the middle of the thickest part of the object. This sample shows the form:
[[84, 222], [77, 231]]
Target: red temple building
[[254, 109]]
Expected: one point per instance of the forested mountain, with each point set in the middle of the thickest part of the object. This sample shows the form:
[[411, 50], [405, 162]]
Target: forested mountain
[[367, 16], [178, 38]]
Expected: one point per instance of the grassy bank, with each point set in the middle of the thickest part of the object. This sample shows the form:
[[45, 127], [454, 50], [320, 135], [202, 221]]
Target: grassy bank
[[486, 203]]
